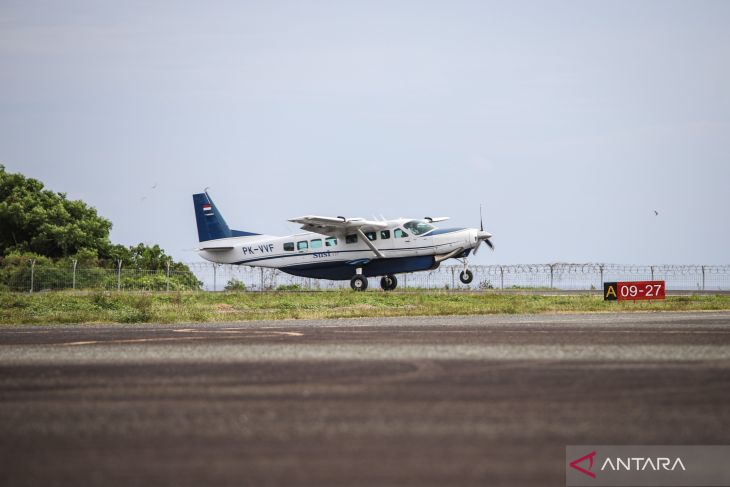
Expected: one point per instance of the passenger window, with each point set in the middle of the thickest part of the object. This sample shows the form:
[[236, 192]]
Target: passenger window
[[316, 243], [302, 245], [289, 246], [370, 235], [351, 238], [330, 242], [398, 233], [384, 234]]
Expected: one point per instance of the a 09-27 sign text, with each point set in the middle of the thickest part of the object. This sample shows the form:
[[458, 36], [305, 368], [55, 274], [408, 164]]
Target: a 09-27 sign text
[[633, 291]]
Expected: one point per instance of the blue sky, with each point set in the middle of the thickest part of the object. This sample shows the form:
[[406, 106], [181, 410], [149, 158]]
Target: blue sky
[[569, 121]]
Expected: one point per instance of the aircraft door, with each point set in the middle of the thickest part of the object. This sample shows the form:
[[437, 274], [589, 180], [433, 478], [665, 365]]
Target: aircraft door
[[423, 245]]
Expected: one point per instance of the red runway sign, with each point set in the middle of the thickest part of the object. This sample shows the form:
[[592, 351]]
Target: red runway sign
[[633, 291]]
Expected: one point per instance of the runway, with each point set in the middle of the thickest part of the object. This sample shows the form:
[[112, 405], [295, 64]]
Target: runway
[[479, 400]]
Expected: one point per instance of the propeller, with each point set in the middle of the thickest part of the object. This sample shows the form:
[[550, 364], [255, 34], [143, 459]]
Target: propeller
[[483, 236]]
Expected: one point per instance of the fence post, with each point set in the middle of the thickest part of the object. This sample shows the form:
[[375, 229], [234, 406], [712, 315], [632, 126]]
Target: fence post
[[119, 275], [600, 268], [261, 269], [32, 273], [214, 277], [551, 275], [73, 280], [453, 282], [167, 283], [703, 278], [652, 272]]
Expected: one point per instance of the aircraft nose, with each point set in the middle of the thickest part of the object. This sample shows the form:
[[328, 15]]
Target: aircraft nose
[[483, 234]]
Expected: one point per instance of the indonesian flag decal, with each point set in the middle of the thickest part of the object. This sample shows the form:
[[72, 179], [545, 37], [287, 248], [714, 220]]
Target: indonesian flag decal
[[207, 209]]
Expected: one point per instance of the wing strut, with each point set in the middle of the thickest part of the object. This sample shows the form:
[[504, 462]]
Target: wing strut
[[370, 244]]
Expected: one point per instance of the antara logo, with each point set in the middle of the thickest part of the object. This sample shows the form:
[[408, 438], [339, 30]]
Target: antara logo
[[627, 463], [588, 457]]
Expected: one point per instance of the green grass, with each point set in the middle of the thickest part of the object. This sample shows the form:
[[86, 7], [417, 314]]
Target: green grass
[[113, 307]]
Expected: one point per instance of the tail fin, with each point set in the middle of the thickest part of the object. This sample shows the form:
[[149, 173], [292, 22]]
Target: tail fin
[[211, 225]]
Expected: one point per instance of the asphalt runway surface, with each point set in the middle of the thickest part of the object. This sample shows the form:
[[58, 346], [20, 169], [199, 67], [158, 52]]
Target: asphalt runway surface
[[481, 400]]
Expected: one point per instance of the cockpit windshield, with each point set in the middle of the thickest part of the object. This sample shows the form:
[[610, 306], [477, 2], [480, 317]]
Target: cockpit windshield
[[418, 227]]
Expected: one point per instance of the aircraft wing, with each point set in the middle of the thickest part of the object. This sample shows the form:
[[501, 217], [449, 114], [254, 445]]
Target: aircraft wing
[[328, 224]]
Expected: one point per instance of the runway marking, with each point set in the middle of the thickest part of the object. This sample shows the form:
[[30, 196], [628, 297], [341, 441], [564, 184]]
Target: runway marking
[[131, 340], [269, 334], [241, 330]]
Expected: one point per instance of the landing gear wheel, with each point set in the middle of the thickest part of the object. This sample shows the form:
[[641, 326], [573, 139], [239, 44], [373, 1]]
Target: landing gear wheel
[[359, 283], [466, 276], [388, 282]]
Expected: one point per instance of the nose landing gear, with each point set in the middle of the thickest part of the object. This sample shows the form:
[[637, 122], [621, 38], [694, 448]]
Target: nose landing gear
[[466, 276]]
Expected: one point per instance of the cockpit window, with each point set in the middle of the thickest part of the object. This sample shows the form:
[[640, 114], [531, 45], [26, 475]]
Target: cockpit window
[[418, 227]]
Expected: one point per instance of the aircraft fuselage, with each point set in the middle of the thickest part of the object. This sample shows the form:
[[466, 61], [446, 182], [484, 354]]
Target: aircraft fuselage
[[320, 256]]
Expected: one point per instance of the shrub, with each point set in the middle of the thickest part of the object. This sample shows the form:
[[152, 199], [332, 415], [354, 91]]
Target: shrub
[[289, 287], [235, 285]]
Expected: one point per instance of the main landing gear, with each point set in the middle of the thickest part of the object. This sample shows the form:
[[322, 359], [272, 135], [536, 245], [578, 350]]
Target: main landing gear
[[388, 282], [359, 283]]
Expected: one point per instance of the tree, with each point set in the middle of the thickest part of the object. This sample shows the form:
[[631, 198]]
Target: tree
[[46, 227], [43, 222]]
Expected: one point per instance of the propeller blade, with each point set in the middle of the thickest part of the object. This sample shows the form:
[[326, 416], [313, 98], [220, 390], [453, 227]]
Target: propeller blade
[[486, 241], [483, 236]]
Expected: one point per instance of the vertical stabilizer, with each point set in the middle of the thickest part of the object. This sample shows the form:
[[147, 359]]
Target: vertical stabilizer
[[211, 225]]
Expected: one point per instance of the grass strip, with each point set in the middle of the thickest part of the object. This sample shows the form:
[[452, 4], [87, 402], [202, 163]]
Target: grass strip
[[121, 307]]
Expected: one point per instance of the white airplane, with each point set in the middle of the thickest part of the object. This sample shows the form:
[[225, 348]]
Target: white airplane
[[340, 248]]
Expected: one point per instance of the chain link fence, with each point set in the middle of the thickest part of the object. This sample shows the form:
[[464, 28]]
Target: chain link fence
[[212, 277]]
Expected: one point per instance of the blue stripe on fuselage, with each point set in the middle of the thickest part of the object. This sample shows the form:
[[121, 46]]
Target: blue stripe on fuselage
[[340, 271]]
